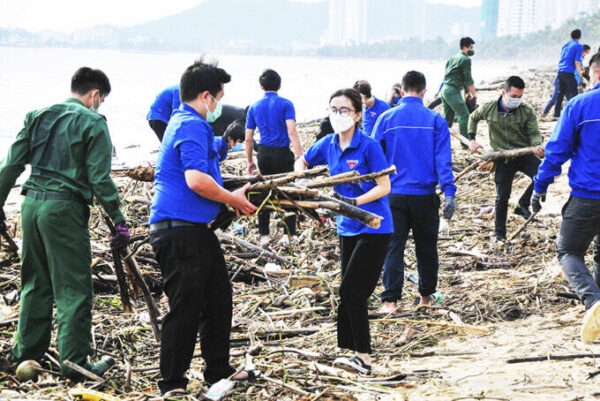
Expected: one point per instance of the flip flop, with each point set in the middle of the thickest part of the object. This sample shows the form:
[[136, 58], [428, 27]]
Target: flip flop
[[356, 363], [438, 298], [252, 375]]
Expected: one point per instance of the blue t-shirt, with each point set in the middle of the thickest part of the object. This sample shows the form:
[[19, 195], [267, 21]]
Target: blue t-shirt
[[165, 103], [269, 114], [371, 114], [221, 148], [365, 156], [570, 52], [188, 144]]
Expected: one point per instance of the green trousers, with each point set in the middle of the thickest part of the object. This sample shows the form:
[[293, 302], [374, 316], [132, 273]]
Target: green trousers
[[454, 105], [55, 269]]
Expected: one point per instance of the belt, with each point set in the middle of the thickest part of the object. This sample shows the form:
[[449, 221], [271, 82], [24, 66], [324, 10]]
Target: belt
[[30, 193], [166, 224]]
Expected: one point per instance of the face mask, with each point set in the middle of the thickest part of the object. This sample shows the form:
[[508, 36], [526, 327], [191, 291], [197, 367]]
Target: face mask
[[512, 102], [95, 108], [340, 123], [470, 52], [211, 116], [238, 147]]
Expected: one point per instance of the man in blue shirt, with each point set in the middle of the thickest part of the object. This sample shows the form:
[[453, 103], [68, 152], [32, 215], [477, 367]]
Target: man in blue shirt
[[417, 141], [577, 137], [372, 107], [188, 196], [168, 101], [570, 61], [275, 118]]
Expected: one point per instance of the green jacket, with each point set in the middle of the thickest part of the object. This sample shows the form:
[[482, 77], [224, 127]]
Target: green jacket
[[458, 71], [69, 150], [517, 129]]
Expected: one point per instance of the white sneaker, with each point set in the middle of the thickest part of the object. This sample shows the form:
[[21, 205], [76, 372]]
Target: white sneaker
[[285, 240], [590, 327], [264, 240]]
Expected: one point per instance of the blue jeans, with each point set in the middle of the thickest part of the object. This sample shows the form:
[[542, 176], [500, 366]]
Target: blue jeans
[[554, 98], [580, 225], [421, 214]]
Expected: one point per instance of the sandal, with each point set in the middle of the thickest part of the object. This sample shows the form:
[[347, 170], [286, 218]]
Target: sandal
[[356, 363], [252, 375]]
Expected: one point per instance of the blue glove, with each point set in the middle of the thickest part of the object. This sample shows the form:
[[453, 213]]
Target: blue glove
[[536, 201], [120, 237], [449, 207], [350, 201]]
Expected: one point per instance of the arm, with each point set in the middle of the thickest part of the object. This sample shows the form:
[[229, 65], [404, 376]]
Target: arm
[[578, 67], [300, 164], [248, 148], [380, 190], [14, 163], [98, 165], [468, 78], [474, 119], [205, 186], [443, 157], [293, 133], [533, 132]]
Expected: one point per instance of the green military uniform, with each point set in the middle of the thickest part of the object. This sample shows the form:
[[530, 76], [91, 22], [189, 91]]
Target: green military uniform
[[69, 150], [514, 130], [456, 77]]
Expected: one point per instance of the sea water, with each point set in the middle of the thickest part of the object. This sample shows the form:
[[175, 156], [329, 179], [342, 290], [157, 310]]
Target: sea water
[[32, 78]]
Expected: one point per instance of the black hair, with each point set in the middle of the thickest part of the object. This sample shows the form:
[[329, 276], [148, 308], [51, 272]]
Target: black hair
[[200, 77], [586, 48], [86, 79], [576, 34], [270, 80], [363, 87], [235, 131], [514, 82], [414, 81], [466, 42], [354, 97]]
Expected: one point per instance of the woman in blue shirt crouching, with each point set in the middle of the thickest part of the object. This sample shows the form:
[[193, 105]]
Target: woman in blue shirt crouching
[[362, 248]]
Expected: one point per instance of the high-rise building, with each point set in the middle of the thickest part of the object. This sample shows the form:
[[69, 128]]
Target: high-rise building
[[347, 22], [489, 19]]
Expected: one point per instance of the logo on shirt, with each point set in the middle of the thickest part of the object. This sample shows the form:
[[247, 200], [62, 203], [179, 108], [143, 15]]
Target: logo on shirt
[[373, 113], [352, 163]]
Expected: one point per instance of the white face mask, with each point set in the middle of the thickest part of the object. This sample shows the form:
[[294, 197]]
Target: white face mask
[[340, 123], [512, 102], [95, 108]]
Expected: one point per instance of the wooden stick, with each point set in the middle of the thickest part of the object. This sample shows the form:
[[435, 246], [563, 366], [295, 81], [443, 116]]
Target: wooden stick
[[529, 220], [119, 271], [255, 248], [506, 154], [550, 358], [332, 181], [461, 138], [12, 246], [473, 329], [83, 371]]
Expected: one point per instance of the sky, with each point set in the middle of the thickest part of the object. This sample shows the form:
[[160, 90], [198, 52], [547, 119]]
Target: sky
[[68, 15]]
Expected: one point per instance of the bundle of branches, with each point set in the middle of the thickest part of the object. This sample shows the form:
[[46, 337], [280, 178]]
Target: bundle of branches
[[282, 193]]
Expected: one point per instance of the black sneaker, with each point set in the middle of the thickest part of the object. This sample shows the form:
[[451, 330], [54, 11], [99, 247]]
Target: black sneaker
[[100, 367], [523, 212]]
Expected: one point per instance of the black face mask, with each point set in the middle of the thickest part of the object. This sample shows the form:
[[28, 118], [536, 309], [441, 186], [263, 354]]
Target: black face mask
[[470, 52]]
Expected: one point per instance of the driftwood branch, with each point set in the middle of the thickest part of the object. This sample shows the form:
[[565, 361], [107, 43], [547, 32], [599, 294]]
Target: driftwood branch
[[335, 180]]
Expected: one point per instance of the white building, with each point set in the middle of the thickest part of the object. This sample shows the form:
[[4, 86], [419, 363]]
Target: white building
[[347, 22], [519, 17]]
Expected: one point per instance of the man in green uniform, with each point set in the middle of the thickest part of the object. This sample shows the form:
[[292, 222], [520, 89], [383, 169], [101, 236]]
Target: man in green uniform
[[512, 124], [69, 149], [457, 77]]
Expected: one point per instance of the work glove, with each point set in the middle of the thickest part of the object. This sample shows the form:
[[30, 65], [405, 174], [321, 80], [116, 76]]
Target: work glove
[[536, 201], [350, 201], [120, 237], [449, 207]]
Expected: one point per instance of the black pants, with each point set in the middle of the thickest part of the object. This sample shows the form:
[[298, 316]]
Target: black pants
[[567, 86], [275, 160], [580, 225], [195, 280], [158, 127], [421, 214], [505, 173], [362, 258]]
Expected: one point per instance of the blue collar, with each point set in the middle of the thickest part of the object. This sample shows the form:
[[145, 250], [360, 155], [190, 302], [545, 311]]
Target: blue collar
[[501, 104], [354, 143], [412, 99], [189, 108], [270, 93]]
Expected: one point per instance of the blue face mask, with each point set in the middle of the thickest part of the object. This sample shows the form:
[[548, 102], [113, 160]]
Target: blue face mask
[[211, 116], [238, 147]]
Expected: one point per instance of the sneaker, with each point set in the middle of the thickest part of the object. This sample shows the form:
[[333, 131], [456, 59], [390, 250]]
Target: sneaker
[[285, 240], [590, 327], [523, 212], [356, 363], [264, 240], [500, 238], [100, 367]]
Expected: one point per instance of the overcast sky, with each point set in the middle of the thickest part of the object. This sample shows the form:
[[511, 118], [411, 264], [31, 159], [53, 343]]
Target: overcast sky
[[67, 15]]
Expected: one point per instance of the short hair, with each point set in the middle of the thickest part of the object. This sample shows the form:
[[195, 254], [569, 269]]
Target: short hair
[[351, 94], [86, 79], [270, 80], [200, 77], [466, 42], [363, 87], [576, 34], [414, 81], [236, 131], [514, 82], [586, 48]]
